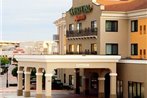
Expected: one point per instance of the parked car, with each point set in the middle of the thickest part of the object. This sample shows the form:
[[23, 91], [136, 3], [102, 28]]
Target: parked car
[[57, 84]]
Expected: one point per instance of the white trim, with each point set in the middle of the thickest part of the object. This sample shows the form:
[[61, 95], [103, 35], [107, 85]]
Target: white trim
[[134, 61], [20, 72], [39, 74], [113, 14], [101, 78], [125, 14], [113, 74], [67, 58], [27, 72], [50, 75], [95, 2]]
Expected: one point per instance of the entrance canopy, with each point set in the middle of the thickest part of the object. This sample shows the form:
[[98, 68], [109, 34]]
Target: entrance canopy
[[51, 62], [67, 61]]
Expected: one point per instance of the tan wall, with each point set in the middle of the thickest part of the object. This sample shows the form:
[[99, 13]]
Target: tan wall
[[77, 3], [120, 37], [94, 15], [67, 72], [132, 72], [86, 44], [62, 41]]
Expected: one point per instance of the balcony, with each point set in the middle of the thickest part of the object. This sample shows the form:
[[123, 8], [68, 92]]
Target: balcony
[[86, 33], [56, 37], [82, 53]]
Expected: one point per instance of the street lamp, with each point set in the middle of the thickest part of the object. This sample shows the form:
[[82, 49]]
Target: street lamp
[[7, 66]]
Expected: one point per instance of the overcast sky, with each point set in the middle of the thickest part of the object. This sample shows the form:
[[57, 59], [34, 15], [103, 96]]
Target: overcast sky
[[29, 20]]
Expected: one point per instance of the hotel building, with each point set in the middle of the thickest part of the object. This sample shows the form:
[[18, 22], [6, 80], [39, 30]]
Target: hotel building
[[106, 44], [109, 27]]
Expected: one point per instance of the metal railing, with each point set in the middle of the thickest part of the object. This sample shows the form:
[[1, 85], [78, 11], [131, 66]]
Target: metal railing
[[80, 33], [82, 53]]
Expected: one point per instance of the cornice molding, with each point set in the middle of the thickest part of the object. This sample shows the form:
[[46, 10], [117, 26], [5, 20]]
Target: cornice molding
[[134, 61], [67, 58]]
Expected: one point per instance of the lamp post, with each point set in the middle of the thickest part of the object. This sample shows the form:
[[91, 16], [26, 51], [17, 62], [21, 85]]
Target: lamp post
[[7, 84]]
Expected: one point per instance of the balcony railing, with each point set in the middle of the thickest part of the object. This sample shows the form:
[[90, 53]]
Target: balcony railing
[[82, 53], [56, 37], [82, 33]]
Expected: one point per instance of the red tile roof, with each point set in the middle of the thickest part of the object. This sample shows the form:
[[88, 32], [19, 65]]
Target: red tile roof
[[127, 5]]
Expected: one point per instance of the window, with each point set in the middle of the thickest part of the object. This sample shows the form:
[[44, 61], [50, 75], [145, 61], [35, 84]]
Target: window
[[111, 26], [79, 48], [144, 28], [64, 78], [80, 80], [134, 49], [144, 53], [70, 79], [119, 89], [79, 27], [93, 48], [112, 49], [140, 53], [93, 26], [135, 90], [71, 48], [134, 25], [94, 81], [71, 27], [140, 29]]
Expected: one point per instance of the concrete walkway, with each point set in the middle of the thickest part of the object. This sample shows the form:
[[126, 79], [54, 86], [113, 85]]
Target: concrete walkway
[[11, 93]]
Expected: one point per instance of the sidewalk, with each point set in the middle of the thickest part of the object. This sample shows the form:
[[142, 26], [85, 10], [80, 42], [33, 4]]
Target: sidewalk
[[12, 93]]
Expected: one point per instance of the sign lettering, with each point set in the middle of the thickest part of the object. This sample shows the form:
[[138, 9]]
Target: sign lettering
[[81, 9], [80, 17]]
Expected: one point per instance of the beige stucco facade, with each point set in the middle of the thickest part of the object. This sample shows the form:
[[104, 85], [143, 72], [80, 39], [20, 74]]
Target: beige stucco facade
[[133, 71], [60, 37], [92, 16], [120, 37], [49, 63], [95, 75]]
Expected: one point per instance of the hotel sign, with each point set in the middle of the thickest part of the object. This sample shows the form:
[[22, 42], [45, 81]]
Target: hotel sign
[[81, 9], [80, 17]]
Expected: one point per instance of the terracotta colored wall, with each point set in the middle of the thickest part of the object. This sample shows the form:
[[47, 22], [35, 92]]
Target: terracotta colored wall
[[140, 38]]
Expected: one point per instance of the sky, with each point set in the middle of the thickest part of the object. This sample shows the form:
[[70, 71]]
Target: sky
[[30, 20]]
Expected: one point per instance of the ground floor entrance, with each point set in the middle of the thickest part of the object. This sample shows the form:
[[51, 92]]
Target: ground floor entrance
[[93, 75]]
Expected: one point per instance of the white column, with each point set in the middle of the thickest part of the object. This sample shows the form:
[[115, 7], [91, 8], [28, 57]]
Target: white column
[[113, 85], [39, 85], [101, 81], [48, 86], [27, 84], [20, 83]]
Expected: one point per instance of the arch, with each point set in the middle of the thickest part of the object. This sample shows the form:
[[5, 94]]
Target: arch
[[40, 70], [20, 68], [28, 69]]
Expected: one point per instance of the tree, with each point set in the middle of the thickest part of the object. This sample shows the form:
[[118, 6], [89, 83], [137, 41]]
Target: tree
[[4, 61], [14, 71]]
